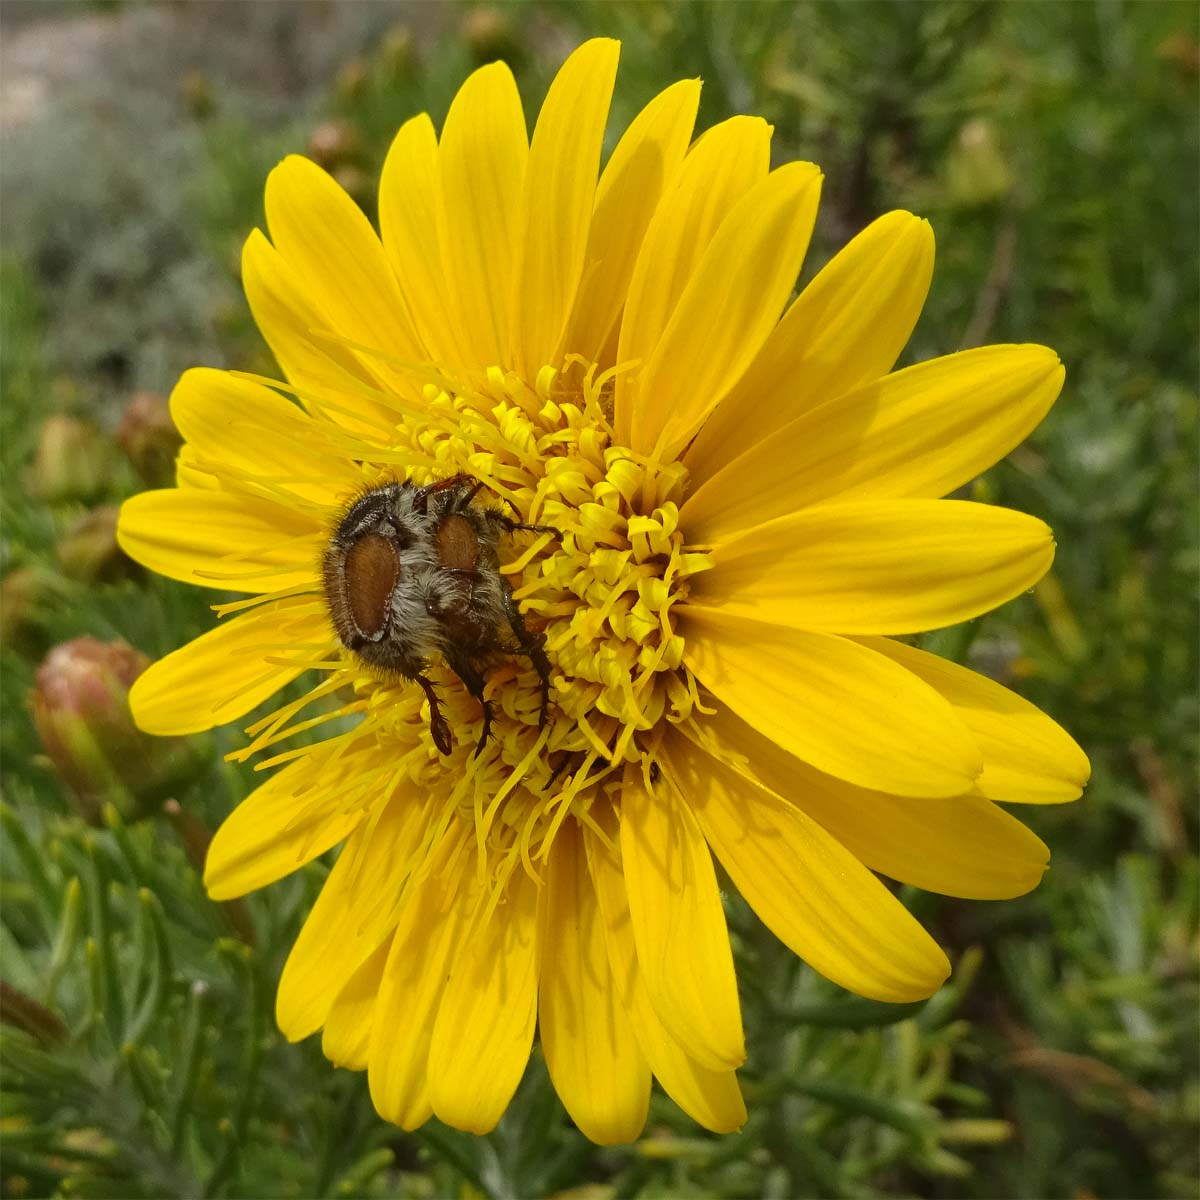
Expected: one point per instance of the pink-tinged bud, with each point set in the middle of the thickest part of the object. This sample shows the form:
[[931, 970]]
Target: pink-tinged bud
[[74, 460], [88, 550], [149, 438], [81, 710]]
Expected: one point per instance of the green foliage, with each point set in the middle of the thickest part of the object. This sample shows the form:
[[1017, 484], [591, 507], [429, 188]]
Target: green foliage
[[1050, 145]]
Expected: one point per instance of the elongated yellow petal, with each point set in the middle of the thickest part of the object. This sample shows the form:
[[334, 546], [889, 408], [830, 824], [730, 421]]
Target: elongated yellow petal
[[643, 165], [225, 673], [1027, 757], [729, 306], [921, 432], [352, 916], [284, 823], [484, 1027], [811, 892], [298, 334], [591, 1051], [222, 539], [835, 704], [425, 949], [241, 426], [410, 196], [483, 155], [346, 1039], [712, 1098], [679, 926], [956, 845], [330, 245], [845, 329], [722, 166], [560, 192], [867, 566]]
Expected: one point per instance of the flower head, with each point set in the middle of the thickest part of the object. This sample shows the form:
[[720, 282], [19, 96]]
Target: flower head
[[739, 514]]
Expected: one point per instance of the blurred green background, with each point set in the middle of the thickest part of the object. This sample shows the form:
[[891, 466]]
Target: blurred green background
[[1054, 148]]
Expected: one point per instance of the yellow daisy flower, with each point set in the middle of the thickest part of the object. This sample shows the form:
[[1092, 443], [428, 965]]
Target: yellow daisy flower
[[740, 515]]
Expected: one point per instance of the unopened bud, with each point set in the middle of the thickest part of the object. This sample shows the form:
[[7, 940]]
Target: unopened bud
[[351, 81], [74, 460], [977, 169], [89, 552], [81, 710], [333, 143], [26, 594], [488, 33], [196, 90], [149, 438], [396, 52]]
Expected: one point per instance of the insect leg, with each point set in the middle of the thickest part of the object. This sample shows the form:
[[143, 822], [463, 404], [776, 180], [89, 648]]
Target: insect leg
[[473, 682], [421, 499], [438, 728], [531, 645], [510, 526]]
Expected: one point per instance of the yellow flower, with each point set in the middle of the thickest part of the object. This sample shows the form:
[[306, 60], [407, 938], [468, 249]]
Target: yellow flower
[[747, 516]]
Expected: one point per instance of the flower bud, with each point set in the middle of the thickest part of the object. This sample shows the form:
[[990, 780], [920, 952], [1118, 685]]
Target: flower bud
[[81, 710], [149, 438], [333, 143], [196, 91], [26, 594], [488, 33], [397, 54], [977, 170], [74, 460], [88, 550]]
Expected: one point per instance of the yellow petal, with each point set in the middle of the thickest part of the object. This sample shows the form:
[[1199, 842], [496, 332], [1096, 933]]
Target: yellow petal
[[425, 947], [846, 328], [867, 566], [410, 194], [225, 673], [591, 1051], [679, 926], [484, 1028], [560, 191], [722, 166], [284, 823], [352, 916], [241, 426], [330, 245], [844, 709], [1027, 757], [297, 332], [642, 167], [921, 432], [712, 1098], [222, 539], [729, 306], [811, 892], [956, 845], [483, 156], [346, 1040]]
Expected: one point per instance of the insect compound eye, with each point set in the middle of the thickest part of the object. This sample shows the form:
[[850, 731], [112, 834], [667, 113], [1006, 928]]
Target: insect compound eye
[[371, 570]]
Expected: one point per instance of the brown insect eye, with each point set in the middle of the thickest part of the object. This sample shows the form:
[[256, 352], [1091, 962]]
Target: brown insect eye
[[457, 545], [371, 570]]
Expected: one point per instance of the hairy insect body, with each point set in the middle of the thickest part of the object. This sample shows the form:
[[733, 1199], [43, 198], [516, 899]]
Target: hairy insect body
[[411, 573]]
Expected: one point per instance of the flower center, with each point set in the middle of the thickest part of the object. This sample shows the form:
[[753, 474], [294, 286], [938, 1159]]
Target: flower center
[[602, 593]]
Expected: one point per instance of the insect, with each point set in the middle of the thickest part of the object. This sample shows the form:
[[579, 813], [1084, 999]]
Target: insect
[[413, 572]]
